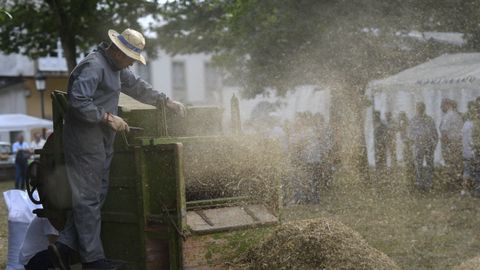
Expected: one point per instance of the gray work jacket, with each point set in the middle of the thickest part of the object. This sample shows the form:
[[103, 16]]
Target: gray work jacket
[[94, 88], [422, 131]]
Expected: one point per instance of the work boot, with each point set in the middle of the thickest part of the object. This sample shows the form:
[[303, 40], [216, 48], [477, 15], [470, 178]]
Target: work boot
[[60, 255], [102, 264]]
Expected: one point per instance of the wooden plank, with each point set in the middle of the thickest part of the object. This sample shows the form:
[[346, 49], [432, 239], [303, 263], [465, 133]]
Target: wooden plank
[[218, 202], [261, 213], [201, 213], [229, 218], [196, 222], [157, 254]]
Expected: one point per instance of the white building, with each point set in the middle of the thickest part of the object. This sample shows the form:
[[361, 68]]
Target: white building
[[190, 78], [13, 90]]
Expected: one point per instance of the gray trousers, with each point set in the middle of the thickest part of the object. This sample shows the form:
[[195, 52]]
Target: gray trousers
[[476, 175], [452, 154], [423, 175], [88, 178]]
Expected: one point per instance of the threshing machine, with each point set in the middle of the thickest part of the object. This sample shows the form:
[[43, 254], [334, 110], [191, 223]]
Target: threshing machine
[[178, 187]]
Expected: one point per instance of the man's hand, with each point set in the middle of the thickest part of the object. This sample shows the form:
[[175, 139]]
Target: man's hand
[[177, 107], [116, 122]]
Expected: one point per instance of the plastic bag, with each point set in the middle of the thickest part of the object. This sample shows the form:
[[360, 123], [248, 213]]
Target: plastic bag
[[19, 205], [20, 215]]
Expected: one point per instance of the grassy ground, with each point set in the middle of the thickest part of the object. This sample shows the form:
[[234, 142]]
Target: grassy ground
[[4, 185], [437, 230]]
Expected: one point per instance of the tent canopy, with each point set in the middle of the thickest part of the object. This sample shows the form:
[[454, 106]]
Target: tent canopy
[[11, 122], [461, 70], [453, 76]]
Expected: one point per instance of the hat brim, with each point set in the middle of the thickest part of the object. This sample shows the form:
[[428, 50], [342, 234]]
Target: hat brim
[[113, 35]]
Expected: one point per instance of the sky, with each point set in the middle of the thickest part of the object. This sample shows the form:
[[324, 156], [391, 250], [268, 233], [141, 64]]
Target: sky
[[148, 20]]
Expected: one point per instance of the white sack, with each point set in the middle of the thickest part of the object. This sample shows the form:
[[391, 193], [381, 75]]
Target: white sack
[[16, 235], [20, 215], [19, 206]]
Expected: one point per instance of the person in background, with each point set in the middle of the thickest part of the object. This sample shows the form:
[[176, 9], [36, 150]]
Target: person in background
[[22, 152], [476, 150], [277, 131], [403, 123], [34, 250], [37, 142], [311, 159], [326, 167], [379, 136], [423, 134], [470, 116], [451, 138], [298, 140], [391, 138]]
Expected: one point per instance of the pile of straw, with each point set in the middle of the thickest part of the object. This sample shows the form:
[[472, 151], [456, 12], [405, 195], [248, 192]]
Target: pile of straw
[[316, 244], [472, 264]]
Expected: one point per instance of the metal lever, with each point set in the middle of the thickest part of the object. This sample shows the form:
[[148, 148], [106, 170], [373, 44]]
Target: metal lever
[[135, 128], [124, 134]]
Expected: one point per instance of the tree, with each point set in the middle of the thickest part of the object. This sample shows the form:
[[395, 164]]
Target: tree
[[37, 25], [342, 44], [284, 43]]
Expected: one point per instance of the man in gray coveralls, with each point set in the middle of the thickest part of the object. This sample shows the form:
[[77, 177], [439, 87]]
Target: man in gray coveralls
[[423, 133], [90, 125]]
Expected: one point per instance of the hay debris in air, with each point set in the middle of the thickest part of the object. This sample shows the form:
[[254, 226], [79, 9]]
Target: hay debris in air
[[316, 244], [231, 166], [472, 264]]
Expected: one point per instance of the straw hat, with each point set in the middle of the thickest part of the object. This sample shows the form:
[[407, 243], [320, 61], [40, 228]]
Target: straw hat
[[130, 42]]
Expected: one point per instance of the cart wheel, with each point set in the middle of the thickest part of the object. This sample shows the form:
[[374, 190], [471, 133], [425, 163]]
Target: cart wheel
[[32, 180]]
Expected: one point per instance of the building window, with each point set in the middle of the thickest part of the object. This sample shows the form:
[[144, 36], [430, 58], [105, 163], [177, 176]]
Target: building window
[[213, 83], [179, 81]]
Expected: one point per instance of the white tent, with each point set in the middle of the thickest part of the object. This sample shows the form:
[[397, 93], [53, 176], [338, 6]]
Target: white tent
[[22, 122], [454, 76]]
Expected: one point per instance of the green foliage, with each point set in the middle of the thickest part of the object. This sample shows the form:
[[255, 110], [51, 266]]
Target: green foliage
[[5, 15], [289, 42], [13, 37], [37, 25]]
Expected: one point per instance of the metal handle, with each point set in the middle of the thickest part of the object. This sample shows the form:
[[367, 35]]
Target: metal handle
[[32, 182], [124, 134]]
